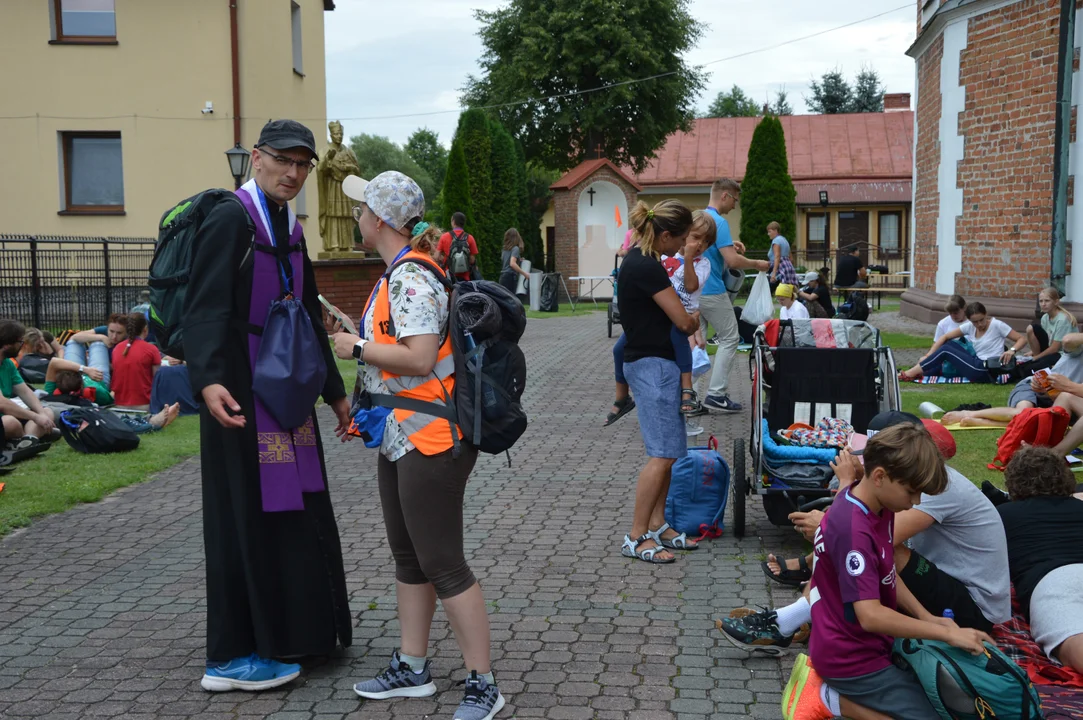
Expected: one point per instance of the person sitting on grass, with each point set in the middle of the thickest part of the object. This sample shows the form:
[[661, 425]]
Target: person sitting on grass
[[28, 421], [135, 362], [950, 551], [1044, 527], [956, 316], [987, 336], [93, 347], [1055, 324], [855, 590], [37, 350], [816, 291], [71, 385]]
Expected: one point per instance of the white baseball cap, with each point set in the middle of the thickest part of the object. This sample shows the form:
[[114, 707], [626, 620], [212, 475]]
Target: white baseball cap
[[395, 198], [354, 187], [809, 276]]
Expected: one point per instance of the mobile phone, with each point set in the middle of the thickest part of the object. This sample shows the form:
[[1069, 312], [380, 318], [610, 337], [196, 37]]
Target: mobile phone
[[335, 313]]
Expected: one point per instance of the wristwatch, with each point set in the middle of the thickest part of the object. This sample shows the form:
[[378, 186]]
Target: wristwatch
[[359, 350]]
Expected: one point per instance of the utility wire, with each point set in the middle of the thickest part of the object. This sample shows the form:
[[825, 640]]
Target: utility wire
[[496, 106]]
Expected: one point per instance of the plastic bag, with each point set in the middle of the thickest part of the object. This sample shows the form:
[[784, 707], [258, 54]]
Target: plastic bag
[[760, 307], [701, 361]]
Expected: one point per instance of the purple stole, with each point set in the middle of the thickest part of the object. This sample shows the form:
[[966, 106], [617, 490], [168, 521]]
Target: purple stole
[[289, 460]]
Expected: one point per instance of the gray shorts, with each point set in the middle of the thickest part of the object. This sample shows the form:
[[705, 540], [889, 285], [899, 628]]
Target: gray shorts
[[1056, 607], [656, 385], [892, 691], [1023, 391]]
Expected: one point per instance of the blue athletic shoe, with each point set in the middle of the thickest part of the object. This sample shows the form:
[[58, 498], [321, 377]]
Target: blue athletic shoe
[[722, 404], [250, 673]]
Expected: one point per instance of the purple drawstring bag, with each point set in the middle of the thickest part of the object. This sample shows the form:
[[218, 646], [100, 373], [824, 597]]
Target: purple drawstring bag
[[290, 369]]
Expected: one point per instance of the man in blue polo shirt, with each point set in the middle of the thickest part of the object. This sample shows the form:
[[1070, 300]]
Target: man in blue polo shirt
[[715, 304]]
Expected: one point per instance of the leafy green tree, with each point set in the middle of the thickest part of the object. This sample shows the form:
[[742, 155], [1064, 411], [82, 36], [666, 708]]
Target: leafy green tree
[[781, 106], [425, 149], [506, 200], [477, 144], [455, 196], [567, 51], [376, 154], [734, 103], [767, 193], [831, 95], [868, 92], [533, 202]]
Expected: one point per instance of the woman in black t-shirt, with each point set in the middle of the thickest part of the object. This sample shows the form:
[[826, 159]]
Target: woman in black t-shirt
[[649, 309], [816, 291]]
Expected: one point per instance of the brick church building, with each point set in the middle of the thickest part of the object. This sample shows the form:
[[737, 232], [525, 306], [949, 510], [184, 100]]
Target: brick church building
[[995, 155]]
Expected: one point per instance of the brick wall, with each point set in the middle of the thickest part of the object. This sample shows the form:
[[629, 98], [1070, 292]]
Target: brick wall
[[566, 219], [348, 283], [1009, 70], [927, 164]]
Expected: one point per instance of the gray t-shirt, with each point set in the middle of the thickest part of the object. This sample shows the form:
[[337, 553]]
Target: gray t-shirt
[[783, 246], [1070, 366], [505, 259], [967, 542]]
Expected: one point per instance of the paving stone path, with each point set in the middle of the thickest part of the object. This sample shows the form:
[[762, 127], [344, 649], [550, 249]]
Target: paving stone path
[[102, 607]]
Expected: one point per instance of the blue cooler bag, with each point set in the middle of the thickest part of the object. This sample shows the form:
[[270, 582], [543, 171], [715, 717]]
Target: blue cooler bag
[[698, 491]]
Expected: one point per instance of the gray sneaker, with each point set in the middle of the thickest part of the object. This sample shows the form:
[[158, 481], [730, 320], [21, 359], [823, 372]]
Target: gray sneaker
[[481, 701], [398, 680]]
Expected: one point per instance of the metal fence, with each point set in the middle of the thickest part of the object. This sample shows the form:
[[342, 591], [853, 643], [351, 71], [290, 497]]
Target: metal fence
[[890, 268], [60, 282]]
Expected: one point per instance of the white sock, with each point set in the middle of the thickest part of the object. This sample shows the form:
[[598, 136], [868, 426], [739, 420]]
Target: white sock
[[830, 698], [792, 617], [417, 664], [487, 676]]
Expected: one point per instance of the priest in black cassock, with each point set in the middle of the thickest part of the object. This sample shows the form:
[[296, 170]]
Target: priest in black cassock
[[276, 589]]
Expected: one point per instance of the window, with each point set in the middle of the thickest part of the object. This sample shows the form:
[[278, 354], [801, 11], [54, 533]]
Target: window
[[890, 232], [295, 23], [817, 231], [93, 173], [84, 21]]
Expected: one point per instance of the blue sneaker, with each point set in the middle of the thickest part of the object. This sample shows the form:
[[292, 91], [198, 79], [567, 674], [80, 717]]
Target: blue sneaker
[[250, 673], [398, 680], [721, 404]]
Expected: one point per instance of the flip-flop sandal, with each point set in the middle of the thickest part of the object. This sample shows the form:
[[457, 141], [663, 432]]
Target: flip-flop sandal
[[624, 406], [791, 578], [630, 549], [680, 542]]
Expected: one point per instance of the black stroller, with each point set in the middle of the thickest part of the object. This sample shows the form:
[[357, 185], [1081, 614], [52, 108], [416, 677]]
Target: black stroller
[[810, 369]]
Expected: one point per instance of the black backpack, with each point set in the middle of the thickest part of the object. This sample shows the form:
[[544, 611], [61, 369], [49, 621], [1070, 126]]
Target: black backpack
[[855, 308], [93, 430], [171, 267], [490, 368]]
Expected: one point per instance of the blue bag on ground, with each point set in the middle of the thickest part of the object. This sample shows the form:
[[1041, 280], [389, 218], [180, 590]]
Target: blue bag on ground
[[962, 686], [290, 367], [698, 491]]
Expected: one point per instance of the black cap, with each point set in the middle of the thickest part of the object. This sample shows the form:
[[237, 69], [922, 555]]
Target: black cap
[[287, 134], [884, 420]]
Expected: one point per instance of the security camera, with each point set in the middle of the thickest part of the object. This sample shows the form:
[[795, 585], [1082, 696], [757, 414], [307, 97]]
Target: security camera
[[208, 109]]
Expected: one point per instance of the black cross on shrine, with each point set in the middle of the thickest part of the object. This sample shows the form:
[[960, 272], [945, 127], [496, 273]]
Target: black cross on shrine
[[591, 193]]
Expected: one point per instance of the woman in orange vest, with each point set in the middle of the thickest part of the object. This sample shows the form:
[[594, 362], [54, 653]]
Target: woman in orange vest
[[423, 467]]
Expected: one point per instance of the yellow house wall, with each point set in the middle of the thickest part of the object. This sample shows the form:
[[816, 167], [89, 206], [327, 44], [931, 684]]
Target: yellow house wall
[[169, 60], [833, 227]]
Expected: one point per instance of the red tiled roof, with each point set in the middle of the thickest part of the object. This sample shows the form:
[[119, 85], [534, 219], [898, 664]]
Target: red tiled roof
[[861, 146], [587, 168], [855, 193]]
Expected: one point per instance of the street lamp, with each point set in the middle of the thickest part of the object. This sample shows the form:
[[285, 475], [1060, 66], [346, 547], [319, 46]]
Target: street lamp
[[823, 198], [239, 158]]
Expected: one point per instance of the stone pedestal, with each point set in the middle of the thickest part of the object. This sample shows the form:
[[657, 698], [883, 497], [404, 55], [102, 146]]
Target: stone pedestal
[[347, 281], [355, 254]]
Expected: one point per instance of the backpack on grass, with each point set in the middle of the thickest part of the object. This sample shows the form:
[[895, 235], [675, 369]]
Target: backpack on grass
[[1044, 427], [962, 686], [485, 323], [458, 257], [698, 491], [93, 430], [855, 308], [171, 267]]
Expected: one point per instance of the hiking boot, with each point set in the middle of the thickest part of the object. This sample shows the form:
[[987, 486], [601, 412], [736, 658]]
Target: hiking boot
[[721, 404], [251, 673], [398, 680], [481, 700], [757, 632]]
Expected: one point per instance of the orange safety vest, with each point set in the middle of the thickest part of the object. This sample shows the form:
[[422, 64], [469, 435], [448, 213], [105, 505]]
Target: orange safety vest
[[430, 435]]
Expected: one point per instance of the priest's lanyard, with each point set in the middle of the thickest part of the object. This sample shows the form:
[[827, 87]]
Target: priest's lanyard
[[368, 305], [287, 282]]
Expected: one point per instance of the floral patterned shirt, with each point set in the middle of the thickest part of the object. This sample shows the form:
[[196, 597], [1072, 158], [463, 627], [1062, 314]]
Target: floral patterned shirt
[[419, 306]]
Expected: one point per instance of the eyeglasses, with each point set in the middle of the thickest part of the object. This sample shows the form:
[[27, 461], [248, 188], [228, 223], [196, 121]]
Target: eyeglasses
[[736, 198], [358, 211], [304, 166]]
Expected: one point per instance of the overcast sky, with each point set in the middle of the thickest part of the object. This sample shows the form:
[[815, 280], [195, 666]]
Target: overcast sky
[[409, 57]]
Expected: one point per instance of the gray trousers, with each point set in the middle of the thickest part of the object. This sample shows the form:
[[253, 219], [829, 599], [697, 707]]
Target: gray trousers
[[718, 310]]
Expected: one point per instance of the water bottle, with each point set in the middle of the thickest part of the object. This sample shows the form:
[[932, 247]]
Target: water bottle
[[488, 395], [949, 614]]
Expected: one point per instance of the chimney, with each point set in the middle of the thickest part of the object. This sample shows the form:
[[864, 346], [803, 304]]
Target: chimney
[[896, 102]]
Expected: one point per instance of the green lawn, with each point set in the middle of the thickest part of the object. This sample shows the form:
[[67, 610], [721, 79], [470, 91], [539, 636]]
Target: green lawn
[[974, 448], [61, 478], [901, 341]]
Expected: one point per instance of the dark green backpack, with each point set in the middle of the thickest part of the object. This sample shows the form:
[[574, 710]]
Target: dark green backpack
[[962, 686], [171, 268]]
